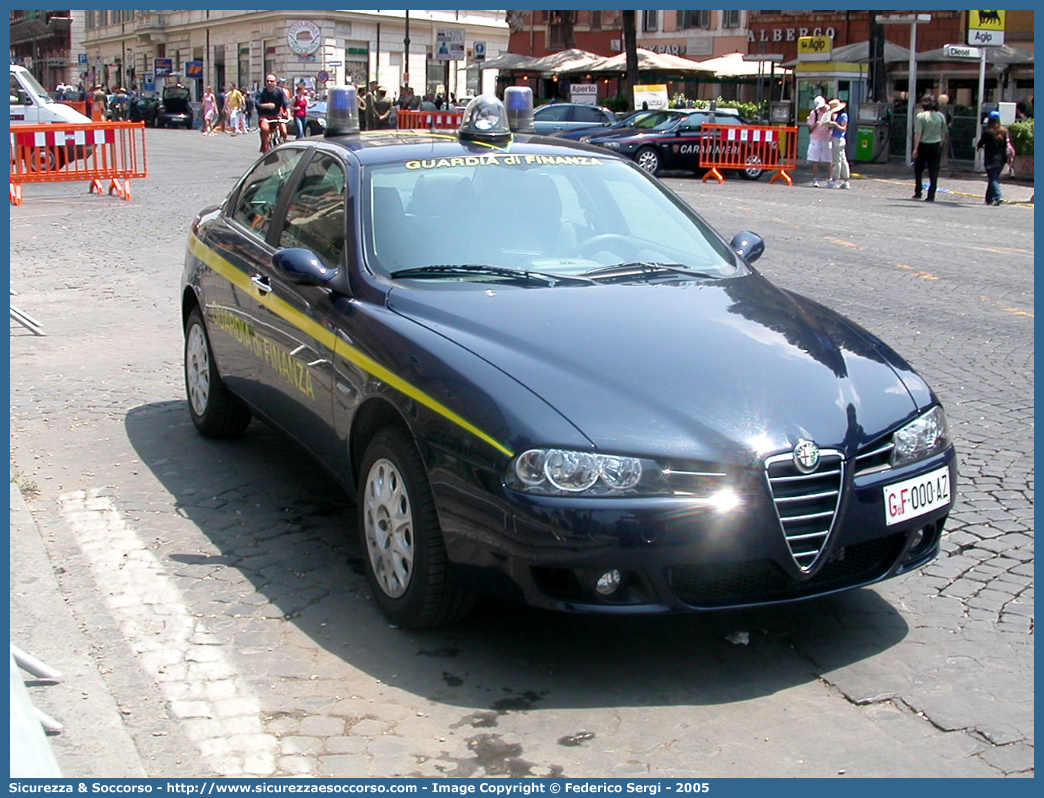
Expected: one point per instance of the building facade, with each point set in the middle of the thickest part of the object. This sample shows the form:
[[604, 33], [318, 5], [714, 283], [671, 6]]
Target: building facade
[[48, 44], [213, 48]]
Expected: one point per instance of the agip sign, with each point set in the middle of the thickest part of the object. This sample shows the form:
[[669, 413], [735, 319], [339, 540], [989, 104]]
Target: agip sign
[[986, 28]]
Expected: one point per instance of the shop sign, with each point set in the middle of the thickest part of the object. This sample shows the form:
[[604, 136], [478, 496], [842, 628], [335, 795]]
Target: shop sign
[[787, 34], [304, 37], [814, 48], [449, 44]]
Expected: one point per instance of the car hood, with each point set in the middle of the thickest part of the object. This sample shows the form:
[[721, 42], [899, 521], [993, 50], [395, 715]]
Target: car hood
[[723, 370]]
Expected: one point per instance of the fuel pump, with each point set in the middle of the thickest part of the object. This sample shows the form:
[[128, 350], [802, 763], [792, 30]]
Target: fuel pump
[[873, 132]]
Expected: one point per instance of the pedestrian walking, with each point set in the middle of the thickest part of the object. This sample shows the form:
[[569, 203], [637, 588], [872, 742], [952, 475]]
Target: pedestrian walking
[[819, 137], [248, 110], [234, 103], [219, 123], [839, 169], [928, 140], [210, 111], [994, 145], [100, 103], [299, 105]]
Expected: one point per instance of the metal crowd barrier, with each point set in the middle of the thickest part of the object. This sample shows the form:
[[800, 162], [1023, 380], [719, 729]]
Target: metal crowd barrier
[[77, 105], [429, 120], [96, 152], [771, 148]]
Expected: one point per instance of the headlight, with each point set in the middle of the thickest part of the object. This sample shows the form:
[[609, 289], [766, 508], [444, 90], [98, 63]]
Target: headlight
[[922, 437], [560, 472], [612, 145]]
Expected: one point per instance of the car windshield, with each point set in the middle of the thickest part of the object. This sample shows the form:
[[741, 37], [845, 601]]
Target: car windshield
[[655, 120], [559, 215], [30, 80]]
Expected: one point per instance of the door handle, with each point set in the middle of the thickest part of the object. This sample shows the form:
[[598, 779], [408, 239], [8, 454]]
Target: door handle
[[261, 283]]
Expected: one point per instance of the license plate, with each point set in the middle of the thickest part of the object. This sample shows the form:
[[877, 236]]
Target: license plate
[[913, 497]]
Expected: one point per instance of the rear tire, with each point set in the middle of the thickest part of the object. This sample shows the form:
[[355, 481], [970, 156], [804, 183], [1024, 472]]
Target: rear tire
[[214, 410], [403, 550]]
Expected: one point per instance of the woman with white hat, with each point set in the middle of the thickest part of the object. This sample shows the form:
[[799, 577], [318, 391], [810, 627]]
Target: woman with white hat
[[838, 122], [819, 137]]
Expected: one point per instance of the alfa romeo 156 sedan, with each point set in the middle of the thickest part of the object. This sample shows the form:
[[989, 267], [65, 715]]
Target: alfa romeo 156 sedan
[[543, 376]]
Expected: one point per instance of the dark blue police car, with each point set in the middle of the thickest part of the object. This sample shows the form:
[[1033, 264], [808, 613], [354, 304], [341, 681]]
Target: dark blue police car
[[543, 376]]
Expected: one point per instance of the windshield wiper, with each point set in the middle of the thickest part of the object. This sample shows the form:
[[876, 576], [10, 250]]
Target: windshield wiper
[[455, 270], [642, 268]]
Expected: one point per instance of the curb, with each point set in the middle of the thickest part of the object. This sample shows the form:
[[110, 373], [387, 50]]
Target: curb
[[95, 741]]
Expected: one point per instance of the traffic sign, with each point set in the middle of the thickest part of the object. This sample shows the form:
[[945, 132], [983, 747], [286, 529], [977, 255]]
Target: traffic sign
[[480, 51], [323, 76], [960, 51]]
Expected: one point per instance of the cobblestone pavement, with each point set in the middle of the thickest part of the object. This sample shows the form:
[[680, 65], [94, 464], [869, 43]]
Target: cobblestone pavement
[[223, 625]]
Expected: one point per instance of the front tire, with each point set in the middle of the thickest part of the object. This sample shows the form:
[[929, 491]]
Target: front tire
[[215, 412], [648, 159], [403, 550]]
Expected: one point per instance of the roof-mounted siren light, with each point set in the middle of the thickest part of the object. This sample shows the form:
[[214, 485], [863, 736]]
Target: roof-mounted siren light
[[519, 102], [485, 119], [342, 111]]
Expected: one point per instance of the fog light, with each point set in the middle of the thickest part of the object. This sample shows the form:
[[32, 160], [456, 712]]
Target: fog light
[[608, 583], [917, 539]]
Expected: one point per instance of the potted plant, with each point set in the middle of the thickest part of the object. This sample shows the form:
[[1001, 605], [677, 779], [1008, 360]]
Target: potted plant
[[1022, 138]]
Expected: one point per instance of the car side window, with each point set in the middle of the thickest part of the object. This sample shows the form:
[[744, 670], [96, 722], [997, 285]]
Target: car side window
[[592, 114], [553, 113], [315, 215], [261, 189]]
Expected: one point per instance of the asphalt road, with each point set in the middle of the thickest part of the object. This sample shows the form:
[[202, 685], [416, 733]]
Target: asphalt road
[[209, 603]]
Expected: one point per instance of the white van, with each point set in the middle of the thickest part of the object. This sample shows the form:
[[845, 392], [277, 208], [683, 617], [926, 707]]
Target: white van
[[32, 105]]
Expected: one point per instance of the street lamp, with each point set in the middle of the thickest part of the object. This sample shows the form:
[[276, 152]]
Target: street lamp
[[911, 94]]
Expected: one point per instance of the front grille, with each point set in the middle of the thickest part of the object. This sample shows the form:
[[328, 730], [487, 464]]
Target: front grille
[[732, 584], [806, 504], [874, 458]]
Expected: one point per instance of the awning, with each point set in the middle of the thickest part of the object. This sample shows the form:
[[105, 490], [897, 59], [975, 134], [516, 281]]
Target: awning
[[563, 61], [29, 30], [733, 65], [509, 61], [648, 61], [1004, 54], [859, 53]]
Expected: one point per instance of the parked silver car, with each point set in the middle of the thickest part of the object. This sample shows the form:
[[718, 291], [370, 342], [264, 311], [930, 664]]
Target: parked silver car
[[548, 119]]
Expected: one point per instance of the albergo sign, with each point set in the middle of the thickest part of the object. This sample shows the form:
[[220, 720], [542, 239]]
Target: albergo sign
[[787, 34]]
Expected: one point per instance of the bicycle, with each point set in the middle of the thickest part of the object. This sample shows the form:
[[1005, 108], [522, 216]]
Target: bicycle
[[276, 132]]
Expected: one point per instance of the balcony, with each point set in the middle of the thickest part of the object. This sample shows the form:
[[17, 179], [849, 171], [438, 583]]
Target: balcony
[[151, 27]]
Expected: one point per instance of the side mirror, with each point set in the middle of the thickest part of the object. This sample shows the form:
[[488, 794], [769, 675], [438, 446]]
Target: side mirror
[[748, 246], [302, 267]]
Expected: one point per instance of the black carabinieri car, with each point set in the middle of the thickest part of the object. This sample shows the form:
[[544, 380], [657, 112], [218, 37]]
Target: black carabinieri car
[[589, 402], [673, 139]]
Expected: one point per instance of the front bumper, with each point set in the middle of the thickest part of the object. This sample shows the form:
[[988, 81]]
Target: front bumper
[[674, 554]]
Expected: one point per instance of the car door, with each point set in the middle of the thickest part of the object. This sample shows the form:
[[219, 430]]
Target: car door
[[587, 115], [685, 149], [23, 110], [292, 323], [550, 119], [239, 253]]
